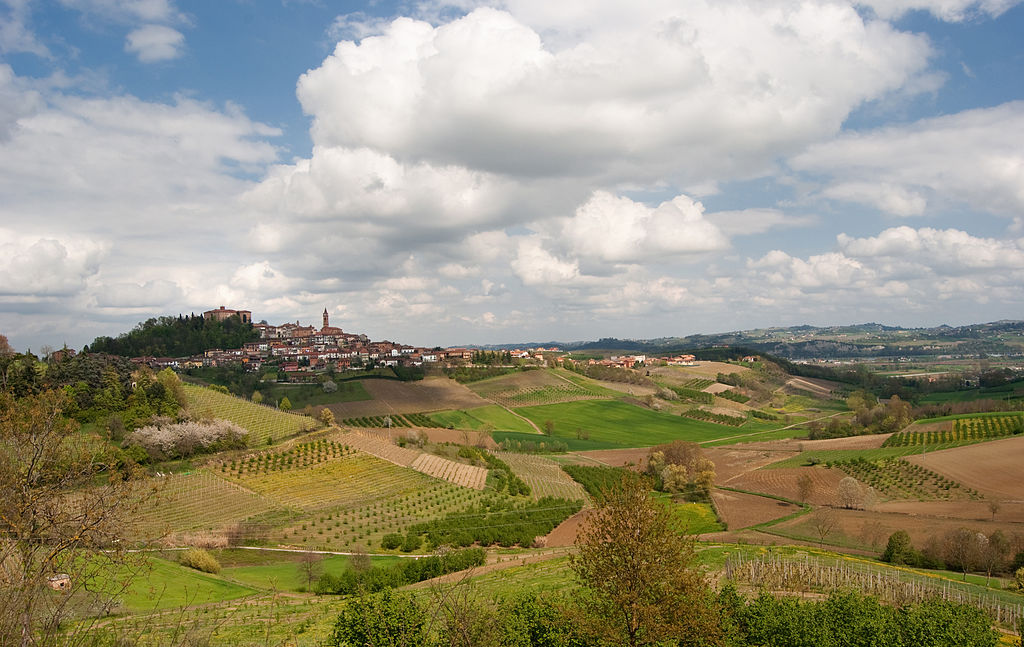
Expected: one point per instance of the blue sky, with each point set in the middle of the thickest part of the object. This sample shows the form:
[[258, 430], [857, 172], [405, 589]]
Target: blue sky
[[470, 172]]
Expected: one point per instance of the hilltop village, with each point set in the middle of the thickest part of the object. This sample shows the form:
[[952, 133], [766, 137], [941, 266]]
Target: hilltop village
[[299, 351]]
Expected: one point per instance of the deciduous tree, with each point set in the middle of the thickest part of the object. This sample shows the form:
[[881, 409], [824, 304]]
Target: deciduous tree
[[639, 583], [64, 507]]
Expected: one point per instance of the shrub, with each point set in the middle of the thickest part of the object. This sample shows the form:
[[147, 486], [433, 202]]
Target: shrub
[[391, 541], [200, 559], [412, 542]]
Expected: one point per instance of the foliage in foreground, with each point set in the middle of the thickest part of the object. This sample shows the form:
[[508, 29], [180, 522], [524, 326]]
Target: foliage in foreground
[[845, 619]]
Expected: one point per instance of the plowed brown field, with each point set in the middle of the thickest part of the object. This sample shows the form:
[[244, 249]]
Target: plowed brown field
[[740, 510], [862, 526], [992, 468], [392, 396], [1009, 512], [732, 462], [782, 482], [565, 533], [619, 457]]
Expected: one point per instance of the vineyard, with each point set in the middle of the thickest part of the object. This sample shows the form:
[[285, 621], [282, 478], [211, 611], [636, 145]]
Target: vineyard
[[469, 476], [197, 501], [895, 586], [458, 473], [717, 418], [697, 384], [298, 457], [693, 394], [351, 480], [393, 420], [544, 476], [897, 479], [264, 423], [547, 394], [965, 430], [734, 396], [365, 525]]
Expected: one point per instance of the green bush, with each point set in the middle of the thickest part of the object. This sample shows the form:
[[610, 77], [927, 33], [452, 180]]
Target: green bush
[[200, 559], [391, 541]]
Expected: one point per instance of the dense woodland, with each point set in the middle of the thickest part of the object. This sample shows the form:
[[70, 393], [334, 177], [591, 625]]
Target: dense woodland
[[180, 336]]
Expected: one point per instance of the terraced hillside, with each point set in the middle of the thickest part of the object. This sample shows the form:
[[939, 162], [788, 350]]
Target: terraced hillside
[[263, 422]]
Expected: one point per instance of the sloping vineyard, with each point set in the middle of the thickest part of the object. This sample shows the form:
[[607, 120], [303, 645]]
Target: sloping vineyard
[[263, 422], [351, 480], [544, 476], [197, 501], [392, 420]]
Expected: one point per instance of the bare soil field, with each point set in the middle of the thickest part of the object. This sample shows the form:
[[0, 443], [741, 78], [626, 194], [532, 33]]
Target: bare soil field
[[709, 370], [392, 396], [942, 425], [871, 441], [740, 510], [718, 388], [1009, 512], [619, 457], [628, 389], [992, 468], [565, 533], [731, 462], [871, 529], [517, 380], [783, 482], [820, 388]]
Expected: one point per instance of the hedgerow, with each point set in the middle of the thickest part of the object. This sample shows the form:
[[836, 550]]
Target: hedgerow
[[407, 571]]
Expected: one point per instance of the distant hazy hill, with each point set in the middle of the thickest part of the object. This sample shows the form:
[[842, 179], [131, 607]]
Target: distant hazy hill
[[803, 342]]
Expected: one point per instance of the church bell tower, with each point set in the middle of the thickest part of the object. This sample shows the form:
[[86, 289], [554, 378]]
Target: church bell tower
[[326, 322]]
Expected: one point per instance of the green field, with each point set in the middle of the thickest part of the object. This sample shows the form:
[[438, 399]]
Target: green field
[[834, 455], [280, 571], [618, 424], [166, 584], [263, 422], [743, 435], [498, 417], [1006, 391], [697, 518], [301, 395]]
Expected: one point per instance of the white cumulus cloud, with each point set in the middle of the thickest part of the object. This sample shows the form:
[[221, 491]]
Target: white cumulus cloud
[[154, 43]]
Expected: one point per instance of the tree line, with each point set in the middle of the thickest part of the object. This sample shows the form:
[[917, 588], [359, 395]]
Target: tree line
[[180, 336]]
